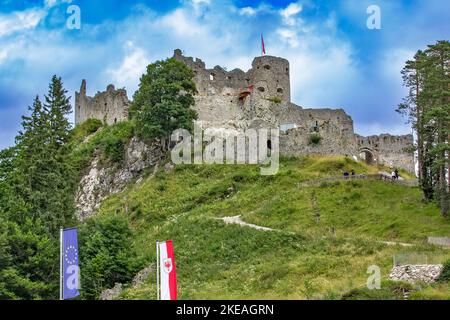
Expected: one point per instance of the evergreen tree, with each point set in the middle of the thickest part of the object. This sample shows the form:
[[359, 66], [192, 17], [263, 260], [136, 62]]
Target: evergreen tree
[[438, 116], [428, 108], [37, 185]]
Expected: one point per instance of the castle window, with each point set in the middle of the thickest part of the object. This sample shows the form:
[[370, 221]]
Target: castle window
[[212, 76], [269, 144], [261, 89], [280, 90], [267, 67], [115, 120], [228, 78]]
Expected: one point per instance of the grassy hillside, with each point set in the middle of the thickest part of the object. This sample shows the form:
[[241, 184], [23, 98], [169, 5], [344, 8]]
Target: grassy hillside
[[309, 257]]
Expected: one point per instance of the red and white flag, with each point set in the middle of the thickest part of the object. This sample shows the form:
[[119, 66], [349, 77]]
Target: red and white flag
[[167, 271]]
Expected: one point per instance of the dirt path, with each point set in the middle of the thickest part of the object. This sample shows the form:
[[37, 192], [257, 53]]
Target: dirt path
[[237, 220]]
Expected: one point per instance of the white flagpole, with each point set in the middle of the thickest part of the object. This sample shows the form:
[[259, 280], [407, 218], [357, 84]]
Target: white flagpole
[[157, 270], [61, 277]]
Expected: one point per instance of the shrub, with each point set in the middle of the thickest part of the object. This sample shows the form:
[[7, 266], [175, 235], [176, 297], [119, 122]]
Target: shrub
[[106, 257], [445, 275], [81, 131], [315, 138]]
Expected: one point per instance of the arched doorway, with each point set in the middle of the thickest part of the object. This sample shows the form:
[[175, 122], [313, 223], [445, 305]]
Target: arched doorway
[[367, 155]]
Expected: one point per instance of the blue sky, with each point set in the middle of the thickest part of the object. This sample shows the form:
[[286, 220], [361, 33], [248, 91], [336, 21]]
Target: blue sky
[[336, 61]]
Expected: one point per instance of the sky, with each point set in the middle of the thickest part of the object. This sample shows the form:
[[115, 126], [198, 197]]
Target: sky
[[336, 60]]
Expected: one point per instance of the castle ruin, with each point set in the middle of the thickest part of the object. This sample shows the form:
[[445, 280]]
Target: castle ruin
[[110, 106], [261, 98]]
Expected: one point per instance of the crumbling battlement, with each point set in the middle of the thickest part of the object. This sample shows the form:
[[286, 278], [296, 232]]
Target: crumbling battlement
[[394, 151], [110, 106], [233, 101]]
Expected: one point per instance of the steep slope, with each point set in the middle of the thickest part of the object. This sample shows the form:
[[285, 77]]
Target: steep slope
[[327, 235]]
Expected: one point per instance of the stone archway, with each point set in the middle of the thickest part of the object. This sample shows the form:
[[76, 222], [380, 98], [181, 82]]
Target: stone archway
[[368, 156]]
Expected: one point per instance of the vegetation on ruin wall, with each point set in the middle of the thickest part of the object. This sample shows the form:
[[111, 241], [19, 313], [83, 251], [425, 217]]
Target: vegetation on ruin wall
[[315, 138], [307, 259]]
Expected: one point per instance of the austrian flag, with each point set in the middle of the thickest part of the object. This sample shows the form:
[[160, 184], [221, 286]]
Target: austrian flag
[[167, 271]]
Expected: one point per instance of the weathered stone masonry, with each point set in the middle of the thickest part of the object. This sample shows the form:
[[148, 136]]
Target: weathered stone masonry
[[261, 97], [110, 106]]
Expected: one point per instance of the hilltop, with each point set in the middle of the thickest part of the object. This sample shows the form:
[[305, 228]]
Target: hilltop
[[325, 234]]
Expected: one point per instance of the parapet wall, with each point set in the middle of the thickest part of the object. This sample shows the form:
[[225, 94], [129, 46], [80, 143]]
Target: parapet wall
[[261, 97], [390, 150]]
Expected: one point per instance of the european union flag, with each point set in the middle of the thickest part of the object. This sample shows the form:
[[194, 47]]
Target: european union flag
[[70, 269]]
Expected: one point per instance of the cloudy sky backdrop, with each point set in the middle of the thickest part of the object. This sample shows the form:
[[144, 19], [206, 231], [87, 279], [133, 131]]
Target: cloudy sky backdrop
[[336, 61]]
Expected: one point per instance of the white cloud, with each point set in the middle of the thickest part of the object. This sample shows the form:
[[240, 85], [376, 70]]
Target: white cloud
[[3, 55], [52, 3], [20, 20], [290, 12], [249, 11], [182, 23], [290, 36], [131, 68], [200, 2]]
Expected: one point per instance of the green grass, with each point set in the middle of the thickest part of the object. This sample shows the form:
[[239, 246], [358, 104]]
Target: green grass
[[305, 259], [108, 141]]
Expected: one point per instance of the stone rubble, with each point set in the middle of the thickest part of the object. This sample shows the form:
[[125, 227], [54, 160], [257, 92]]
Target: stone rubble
[[111, 294], [139, 278], [416, 273]]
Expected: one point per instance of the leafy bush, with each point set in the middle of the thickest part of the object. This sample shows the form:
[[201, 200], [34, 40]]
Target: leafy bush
[[445, 275], [105, 254], [110, 142], [83, 130], [315, 138]]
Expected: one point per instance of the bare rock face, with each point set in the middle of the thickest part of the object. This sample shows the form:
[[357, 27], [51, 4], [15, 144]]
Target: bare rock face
[[139, 278], [111, 294], [142, 276], [428, 273], [102, 181]]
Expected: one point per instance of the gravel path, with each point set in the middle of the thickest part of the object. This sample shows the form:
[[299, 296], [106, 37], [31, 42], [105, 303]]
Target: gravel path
[[237, 220]]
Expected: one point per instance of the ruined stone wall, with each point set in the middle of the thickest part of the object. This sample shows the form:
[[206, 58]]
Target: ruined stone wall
[[223, 97], [233, 101], [110, 106], [261, 98], [393, 151]]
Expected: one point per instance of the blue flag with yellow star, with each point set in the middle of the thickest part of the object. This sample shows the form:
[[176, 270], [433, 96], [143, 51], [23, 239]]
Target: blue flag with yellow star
[[70, 267]]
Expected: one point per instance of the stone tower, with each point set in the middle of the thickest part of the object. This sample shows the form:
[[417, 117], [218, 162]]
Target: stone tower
[[270, 77]]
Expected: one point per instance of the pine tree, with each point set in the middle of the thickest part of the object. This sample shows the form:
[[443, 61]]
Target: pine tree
[[428, 108], [438, 115]]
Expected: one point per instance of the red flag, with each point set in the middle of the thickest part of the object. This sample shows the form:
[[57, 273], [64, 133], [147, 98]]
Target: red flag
[[263, 46], [168, 272]]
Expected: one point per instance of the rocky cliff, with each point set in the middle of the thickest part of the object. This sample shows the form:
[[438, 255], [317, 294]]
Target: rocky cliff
[[103, 180]]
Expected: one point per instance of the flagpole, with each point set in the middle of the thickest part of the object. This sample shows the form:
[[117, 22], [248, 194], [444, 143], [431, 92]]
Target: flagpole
[[61, 276], [157, 270]]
